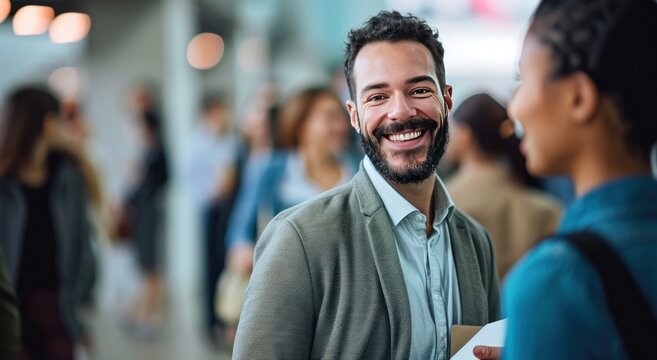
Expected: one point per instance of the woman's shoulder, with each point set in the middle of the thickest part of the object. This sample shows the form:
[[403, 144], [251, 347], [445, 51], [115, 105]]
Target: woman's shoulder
[[7, 183], [66, 170], [553, 267]]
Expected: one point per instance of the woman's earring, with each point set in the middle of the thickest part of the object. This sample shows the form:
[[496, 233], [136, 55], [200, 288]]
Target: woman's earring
[[518, 129]]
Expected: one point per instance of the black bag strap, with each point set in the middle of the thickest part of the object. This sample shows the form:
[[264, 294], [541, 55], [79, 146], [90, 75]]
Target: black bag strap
[[628, 306]]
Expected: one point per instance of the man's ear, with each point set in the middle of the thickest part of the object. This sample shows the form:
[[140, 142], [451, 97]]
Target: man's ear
[[584, 98], [353, 115], [448, 97]]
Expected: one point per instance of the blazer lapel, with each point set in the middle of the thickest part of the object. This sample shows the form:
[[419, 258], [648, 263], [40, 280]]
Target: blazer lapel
[[467, 269], [386, 259]]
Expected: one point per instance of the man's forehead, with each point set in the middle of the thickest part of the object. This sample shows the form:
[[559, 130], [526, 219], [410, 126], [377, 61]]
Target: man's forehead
[[387, 62]]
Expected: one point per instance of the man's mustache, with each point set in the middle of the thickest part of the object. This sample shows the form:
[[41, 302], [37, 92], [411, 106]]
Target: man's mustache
[[410, 125]]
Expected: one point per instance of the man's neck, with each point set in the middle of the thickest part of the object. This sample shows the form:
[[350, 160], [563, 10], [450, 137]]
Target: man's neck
[[419, 195]]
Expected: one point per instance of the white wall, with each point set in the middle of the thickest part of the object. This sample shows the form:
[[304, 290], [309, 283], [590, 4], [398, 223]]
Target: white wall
[[31, 59]]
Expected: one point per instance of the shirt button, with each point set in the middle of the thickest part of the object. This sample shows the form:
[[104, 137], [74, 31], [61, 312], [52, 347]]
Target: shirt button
[[442, 344], [436, 297]]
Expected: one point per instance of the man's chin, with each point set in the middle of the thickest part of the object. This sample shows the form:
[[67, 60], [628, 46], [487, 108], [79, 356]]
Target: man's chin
[[402, 161]]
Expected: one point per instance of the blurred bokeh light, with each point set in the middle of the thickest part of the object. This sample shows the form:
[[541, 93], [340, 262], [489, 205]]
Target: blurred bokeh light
[[5, 9], [205, 51], [66, 82], [69, 27], [33, 20]]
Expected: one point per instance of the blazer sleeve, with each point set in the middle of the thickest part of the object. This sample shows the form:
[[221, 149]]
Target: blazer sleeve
[[277, 321], [494, 307]]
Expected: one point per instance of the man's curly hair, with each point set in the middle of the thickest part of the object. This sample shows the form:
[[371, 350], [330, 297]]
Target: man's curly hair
[[392, 26]]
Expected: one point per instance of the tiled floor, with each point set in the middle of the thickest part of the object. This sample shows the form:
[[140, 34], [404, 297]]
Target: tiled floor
[[180, 338]]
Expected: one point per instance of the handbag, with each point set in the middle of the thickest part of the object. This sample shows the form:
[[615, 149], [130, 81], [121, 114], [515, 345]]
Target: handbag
[[230, 295]]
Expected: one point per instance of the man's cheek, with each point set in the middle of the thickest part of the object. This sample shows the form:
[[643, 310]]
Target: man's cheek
[[438, 105]]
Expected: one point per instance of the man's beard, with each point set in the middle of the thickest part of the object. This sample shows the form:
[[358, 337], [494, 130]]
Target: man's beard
[[415, 172]]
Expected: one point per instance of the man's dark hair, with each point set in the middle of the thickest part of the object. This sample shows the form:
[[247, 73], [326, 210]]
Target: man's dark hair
[[614, 42], [392, 26]]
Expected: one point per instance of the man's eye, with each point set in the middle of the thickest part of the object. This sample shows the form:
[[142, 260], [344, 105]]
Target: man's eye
[[421, 91], [376, 98]]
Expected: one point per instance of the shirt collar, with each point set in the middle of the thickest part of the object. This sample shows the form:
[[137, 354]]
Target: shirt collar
[[398, 207]]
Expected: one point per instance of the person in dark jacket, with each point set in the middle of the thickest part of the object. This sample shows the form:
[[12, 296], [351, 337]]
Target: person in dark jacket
[[45, 229], [9, 319]]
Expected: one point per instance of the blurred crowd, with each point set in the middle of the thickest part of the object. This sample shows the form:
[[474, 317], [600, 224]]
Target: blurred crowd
[[56, 215], [59, 221]]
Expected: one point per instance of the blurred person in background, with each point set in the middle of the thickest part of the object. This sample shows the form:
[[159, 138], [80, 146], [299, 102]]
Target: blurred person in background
[[489, 183], [144, 211], [45, 229], [257, 127], [10, 341], [340, 87], [586, 103], [312, 132], [211, 177]]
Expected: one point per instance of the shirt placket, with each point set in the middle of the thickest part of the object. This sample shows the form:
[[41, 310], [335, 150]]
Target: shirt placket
[[434, 289], [437, 293], [417, 229]]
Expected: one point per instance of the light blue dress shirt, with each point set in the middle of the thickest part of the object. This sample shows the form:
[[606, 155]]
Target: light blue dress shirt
[[207, 163], [427, 264]]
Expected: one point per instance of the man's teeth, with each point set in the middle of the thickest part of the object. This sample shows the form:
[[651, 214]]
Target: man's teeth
[[406, 136]]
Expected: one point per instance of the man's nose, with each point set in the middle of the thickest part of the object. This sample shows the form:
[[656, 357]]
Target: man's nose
[[401, 108]]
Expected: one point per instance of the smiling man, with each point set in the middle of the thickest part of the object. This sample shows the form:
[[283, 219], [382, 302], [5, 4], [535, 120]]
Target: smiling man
[[382, 267]]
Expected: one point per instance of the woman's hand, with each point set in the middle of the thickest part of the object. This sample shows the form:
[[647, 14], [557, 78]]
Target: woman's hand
[[241, 259], [482, 352]]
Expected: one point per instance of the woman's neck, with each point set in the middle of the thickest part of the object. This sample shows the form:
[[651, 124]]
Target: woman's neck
[[472, 163], [322, 168], [313, 157], [35, 171], [590, 173]]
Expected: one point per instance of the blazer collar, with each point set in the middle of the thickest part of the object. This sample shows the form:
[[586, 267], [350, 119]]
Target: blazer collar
[[471, 284], [384, 250], [368, 199], [386, 259]]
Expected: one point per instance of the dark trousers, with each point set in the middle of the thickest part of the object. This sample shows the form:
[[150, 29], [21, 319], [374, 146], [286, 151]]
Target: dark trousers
[[215, 222], [44, 334]]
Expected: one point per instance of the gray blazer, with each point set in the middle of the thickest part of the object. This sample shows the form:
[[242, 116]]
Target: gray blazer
[[72, 225], [328, 283]]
